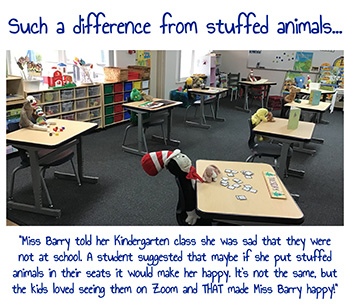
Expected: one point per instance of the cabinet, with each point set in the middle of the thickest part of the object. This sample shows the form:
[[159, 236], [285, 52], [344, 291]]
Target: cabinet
[[115, 94], [14, 98], [81, 103]]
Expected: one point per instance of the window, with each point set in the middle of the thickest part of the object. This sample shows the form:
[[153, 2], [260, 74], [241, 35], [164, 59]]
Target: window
[[188, 63]]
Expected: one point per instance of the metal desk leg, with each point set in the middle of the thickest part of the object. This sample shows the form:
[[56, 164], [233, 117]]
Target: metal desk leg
[[246, 102], [80, 161], [169, 124], [202, 122]]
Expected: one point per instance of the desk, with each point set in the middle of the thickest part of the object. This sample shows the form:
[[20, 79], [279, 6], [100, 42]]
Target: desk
[[267, 85], [323, 92], [304, 105], [139, 109], [33, 141], [324, 95], [213, 92], [278, 130], [217, 201]]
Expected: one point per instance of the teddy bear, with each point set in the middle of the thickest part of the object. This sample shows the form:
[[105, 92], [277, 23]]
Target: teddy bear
[[180, 165], [27, 115], [292, 94]]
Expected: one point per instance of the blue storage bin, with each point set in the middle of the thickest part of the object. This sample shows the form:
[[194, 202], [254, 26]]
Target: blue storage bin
[[126, 95], [127, 86], [126, 115]]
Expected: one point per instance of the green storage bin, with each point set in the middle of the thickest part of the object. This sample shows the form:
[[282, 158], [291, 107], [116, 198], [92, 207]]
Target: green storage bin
[[108, 89], [109, 110], [109, 119], [109, 99]]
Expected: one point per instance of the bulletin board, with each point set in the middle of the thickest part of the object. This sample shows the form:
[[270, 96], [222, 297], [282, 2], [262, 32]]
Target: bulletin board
[[295, 60]]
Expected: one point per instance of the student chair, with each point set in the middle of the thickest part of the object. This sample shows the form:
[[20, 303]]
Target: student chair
[[56, 160], [264, 148], [147, 123], [233, 83]]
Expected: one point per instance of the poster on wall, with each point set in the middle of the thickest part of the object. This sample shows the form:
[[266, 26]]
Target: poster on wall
[[144, 58], [303, 61]]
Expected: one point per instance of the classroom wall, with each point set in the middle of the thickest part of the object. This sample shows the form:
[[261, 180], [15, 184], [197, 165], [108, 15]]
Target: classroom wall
[[236, 61]]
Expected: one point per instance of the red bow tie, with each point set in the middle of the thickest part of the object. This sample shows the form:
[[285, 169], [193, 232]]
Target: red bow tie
[[193, 175]]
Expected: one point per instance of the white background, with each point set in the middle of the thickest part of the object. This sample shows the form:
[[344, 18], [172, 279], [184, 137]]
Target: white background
[[183, 11]]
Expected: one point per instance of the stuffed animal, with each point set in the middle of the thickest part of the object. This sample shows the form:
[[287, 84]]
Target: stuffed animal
[[135, 95], [181, 167], [292, 94], [211, 173], [188, 84], [262, 114], [146, 97], [26, 115], [251, 77]]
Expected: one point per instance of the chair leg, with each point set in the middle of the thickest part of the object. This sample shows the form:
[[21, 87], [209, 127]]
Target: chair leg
[[12, 183], [251, 158], [231, 94], [75, 172]]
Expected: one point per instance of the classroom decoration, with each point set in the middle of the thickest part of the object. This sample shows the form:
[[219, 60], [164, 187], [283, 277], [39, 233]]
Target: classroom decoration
[[29, 68], [26, 115], [294, 116], [180, 165], [273, 185], [303, 61]]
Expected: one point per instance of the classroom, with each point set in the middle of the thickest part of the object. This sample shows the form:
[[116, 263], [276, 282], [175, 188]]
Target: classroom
[[175, 137]]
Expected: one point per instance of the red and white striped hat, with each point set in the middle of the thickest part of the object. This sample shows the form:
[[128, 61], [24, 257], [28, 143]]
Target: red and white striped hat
[[154, 162]]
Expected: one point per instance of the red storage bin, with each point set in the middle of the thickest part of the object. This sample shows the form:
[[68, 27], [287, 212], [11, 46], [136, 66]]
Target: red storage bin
[[118, 97], [118, 117], [118, 87], [133, 75], [118, 108]]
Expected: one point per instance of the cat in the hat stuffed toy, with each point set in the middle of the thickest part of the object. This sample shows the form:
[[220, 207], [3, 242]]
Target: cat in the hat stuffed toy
[[180, 165]]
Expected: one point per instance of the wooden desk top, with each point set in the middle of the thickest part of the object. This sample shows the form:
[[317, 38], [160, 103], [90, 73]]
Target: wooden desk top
[[43, 138], [137, 105], [267, 83], [279, 128], [308, 91], [216, 199], [208, 90], [304, 104]]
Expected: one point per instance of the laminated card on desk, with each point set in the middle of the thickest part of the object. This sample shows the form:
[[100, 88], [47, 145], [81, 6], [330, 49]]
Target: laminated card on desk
[[152, 105], [315, 97], [294, 116]]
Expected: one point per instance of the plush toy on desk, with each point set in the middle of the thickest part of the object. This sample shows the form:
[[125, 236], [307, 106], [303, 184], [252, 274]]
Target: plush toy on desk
[[188, 84], [262, 114], [181, 167], [211, 173], [146, 97], [292, 94], [135, 95], [26, 115]]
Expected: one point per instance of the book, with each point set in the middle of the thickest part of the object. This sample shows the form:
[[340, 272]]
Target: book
[[294, 116], [152, 105], [315, 97]]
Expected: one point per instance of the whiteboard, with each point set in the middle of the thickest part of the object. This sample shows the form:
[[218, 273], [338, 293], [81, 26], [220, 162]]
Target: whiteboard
[[285, 60]]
